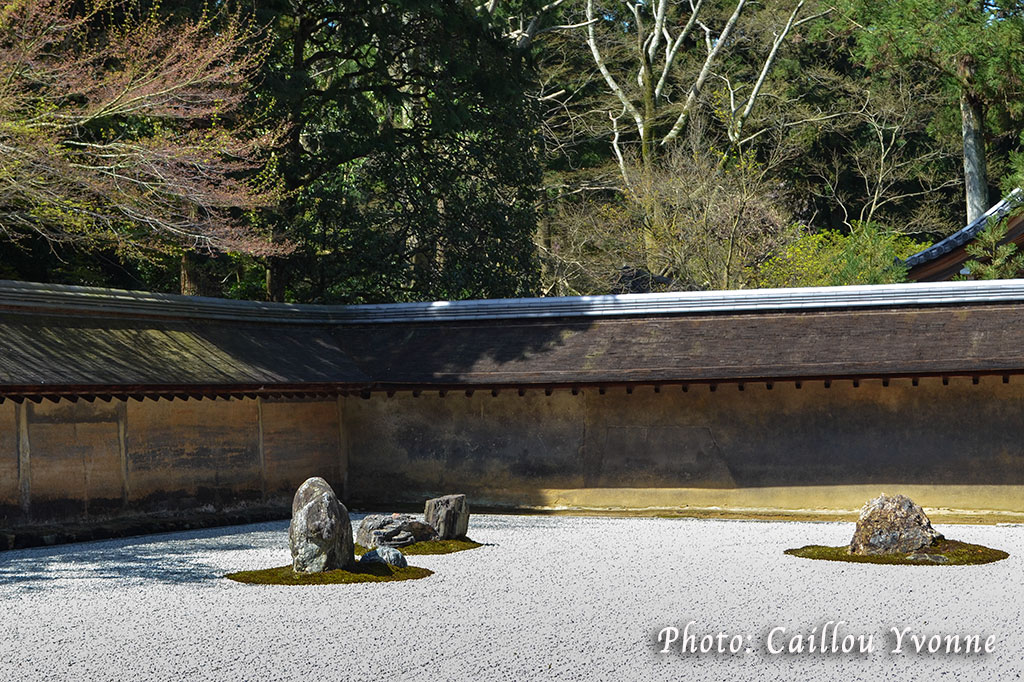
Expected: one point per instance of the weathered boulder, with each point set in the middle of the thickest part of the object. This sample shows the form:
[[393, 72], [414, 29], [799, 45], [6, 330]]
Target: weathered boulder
[[449, 515], [320, 534], [396, 530], [384, 555], [892, 525]]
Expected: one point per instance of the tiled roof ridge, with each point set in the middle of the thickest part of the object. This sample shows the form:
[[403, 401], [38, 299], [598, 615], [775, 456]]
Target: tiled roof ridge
[[50, 299], [1010, 202]]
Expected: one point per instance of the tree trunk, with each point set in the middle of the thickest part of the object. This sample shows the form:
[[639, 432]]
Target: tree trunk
[[275, 278], [975, 169], [275, 283], [190, 285]]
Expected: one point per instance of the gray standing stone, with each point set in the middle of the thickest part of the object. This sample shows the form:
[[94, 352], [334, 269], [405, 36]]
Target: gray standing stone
[[384, 555], [320, 534], [449, 515], [393, 530], [892, 525]]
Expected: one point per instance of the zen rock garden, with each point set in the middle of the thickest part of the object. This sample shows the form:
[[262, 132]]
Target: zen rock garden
[[895, 530], [323, 547]]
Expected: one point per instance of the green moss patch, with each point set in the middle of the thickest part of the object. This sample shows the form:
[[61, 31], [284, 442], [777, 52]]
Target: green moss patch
[[360, 573], [432, 547], [955, 552]]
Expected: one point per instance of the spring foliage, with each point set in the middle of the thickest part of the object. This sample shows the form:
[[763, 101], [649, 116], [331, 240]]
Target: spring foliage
[[118, 129], [866, 255]]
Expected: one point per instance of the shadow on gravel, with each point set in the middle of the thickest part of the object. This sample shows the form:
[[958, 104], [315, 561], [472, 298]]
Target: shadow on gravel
[[169, 558]]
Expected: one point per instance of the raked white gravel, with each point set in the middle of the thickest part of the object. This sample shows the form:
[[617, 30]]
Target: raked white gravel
[[562, 598]]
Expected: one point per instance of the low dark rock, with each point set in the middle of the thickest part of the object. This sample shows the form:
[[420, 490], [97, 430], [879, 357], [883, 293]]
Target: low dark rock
[[892, 525], [320, 534], [449, 515], [926, 558], [384, 555], [396, 530]]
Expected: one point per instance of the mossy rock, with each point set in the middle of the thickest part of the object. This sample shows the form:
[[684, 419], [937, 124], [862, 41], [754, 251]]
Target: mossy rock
[[941, 552], [360, 573], [431, 547]]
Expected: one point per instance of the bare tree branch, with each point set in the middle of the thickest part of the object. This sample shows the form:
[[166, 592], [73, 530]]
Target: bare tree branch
[[704, 72]]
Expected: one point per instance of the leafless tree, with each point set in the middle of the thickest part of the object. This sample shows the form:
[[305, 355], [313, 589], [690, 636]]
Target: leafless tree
[[657, 95], [889, 160]]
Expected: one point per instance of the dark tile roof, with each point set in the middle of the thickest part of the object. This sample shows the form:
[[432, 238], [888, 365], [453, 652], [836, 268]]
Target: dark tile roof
[[68, 340], [703, 348], [961, 237], [55, 350]]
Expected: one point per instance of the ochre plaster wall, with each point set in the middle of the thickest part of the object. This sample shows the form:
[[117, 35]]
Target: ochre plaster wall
[[194, 452], [75, 455], [404, 448], [957, 445], [72, 461], [10, 497], [302, 439]]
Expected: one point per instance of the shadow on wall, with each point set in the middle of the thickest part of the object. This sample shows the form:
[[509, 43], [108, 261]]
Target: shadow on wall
[[58, 350], [482, 352], [536, 449]]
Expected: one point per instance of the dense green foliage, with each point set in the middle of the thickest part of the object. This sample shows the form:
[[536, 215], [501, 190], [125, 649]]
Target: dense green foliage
[[410, 157], [415, 149], [991, 258], [974, 50], [864, 255]]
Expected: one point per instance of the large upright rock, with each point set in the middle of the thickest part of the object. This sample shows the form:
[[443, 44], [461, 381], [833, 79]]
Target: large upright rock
[[320, 535], [892, 525], [394, 530], [449, 515]]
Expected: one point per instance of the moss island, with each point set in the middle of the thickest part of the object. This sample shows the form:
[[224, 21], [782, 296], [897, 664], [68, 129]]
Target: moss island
[[941, 552], [431, 547], [359, 573]]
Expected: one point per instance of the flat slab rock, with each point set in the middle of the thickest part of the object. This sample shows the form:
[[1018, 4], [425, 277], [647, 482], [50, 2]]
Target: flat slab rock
[[892, 525], [449, 515], [320, 534], [393, 530]]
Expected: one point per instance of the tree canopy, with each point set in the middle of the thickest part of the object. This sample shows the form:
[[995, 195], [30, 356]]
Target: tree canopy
[[118, 129], [398, 150]]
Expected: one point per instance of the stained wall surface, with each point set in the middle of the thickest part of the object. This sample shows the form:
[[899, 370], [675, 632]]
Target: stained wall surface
[[402, 448], [192, 452], [10, 497], [794, 446], [75, 458], [302, 439], [68, 461], [953, 445]]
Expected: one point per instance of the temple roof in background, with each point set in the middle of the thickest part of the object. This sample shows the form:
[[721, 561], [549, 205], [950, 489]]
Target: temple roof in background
[[945, 260]]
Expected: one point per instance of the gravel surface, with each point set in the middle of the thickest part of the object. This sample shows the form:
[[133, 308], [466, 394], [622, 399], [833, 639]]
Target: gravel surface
[[564, 598]]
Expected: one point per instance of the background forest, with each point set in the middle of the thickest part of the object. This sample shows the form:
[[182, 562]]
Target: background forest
[[358, 151]]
